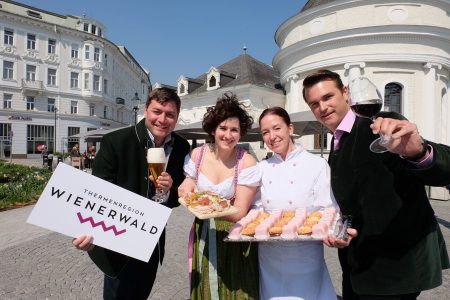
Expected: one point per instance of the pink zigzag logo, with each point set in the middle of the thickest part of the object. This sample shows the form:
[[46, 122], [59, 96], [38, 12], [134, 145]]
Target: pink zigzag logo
[[90, 219]]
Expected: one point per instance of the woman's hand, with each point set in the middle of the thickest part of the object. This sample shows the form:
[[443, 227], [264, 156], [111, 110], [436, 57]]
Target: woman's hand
[[187, 187], [83, 242]]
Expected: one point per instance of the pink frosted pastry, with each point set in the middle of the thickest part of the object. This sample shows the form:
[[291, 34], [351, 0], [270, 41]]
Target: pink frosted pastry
[[235, 232], [289, 232], [276, 214], [320, 230], [262, 231]]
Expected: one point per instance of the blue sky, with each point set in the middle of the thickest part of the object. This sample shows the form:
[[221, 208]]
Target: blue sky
[[180, 37]]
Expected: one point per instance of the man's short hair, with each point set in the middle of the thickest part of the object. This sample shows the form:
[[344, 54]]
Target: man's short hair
[[164, 95], [321, 75]]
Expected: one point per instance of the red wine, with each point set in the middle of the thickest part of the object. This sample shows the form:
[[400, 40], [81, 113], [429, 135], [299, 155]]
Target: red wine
[[366, 109]]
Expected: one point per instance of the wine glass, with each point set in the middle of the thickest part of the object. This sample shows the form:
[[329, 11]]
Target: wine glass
[[366, 102], [156, 159]]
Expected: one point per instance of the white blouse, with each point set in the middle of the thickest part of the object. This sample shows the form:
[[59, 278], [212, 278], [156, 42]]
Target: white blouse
[[225, 189]]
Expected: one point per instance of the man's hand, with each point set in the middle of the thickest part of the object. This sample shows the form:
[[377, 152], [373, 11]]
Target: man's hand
[[332, 241], [404, 136], [83, 242], [164, 181]]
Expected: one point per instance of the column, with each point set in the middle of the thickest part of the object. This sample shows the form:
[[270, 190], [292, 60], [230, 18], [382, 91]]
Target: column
[[354, 69], [293, 94], [426, 108]]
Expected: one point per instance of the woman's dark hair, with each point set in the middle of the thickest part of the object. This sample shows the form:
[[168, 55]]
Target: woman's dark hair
[[227, 106], [278, 111]]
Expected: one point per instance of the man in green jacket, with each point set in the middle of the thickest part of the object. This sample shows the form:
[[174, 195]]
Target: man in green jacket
[[122, 160], [399, 250]]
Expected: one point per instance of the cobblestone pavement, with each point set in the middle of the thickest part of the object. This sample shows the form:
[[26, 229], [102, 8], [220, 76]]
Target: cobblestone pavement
[[39, 264]]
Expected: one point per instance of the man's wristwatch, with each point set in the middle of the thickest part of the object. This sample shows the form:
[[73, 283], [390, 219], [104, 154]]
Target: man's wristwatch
[[419, 155]]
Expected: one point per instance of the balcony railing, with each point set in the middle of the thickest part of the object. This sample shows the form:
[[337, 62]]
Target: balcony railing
[[33, 85]]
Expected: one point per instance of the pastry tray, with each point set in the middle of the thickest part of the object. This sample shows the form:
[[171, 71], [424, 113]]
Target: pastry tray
[[338, 229]]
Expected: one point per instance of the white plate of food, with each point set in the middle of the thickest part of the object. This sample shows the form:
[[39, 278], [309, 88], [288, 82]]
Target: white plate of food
[[207, 205]]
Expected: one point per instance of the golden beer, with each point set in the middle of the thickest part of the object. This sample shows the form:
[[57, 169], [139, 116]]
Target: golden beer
[[156, 169], [156, 159]]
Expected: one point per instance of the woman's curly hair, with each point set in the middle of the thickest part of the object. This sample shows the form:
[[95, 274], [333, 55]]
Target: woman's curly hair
[[227, 106]]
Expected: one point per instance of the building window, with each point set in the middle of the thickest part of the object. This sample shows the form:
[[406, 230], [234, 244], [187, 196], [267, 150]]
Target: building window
[[86, 81], [105, 61], [105, 86], [51, 46], [73, 107], [39, 135], [96, 83], [51, 77], [30, 103], [51, 104], [74, 51], [212, 81], [182, 89], [31, 42], [34, 14], [71, 141], [87, 52], [30, 73], [8, 38], [393, 97], [73, 80], [86, 27], [318, 141], [91, 110], [93, 29], [105, 111], [7, 101], [8, 70], [100, 32], [96, 54]]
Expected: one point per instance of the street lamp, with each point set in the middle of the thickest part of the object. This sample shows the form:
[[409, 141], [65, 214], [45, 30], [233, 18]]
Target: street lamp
[[136, 102]]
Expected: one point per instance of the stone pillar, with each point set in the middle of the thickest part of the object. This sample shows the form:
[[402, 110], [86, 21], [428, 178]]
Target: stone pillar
[[427, 105], [293, 94], [354, 69]]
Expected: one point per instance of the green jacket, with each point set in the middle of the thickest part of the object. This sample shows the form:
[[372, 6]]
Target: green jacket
[[400, 248], [122, 160]]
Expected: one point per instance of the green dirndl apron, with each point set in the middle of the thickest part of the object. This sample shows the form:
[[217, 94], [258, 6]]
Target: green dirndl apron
[[222, 270]]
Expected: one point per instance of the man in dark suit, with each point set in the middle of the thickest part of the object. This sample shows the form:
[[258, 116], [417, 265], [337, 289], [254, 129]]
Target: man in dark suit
[[122, 161], [399, 250]]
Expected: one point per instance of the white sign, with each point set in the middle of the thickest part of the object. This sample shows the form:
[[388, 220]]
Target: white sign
[[76, 203]]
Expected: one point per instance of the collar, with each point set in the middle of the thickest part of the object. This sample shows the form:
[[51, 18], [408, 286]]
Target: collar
[[297, 150], [347, 122]]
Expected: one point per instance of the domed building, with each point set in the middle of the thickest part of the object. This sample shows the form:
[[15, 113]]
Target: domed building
[[403, 47]]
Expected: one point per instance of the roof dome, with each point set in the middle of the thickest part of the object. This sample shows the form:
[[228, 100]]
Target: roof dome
[[314, 3]]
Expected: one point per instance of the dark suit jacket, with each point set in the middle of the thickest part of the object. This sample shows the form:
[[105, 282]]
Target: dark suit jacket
[[122, 161], [399, 248]]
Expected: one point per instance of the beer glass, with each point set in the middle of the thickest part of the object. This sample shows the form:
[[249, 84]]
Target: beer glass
[[366, 102], [156, 159]]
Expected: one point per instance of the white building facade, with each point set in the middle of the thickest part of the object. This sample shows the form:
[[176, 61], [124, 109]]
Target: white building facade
[[60, 77], [402, 46]]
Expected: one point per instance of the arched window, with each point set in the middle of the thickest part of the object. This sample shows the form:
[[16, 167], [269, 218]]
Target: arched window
[[393, 97], [212, 81], [182, 89]]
